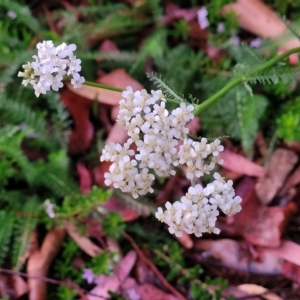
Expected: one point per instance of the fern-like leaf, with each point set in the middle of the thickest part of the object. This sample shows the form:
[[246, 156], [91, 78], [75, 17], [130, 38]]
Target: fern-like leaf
[[6, 230], [274, 75], [167, 90], [24, 229], [54, 174], [23, 14], [10, 141], [236, 114]]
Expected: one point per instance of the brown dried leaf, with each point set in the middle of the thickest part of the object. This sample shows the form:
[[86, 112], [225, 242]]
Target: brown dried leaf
[[254, 289], [39, 262], [121, 79], [82, 135], [20, 286], [240, 164], [143, 272], [174, 12], [233, 254], [83, 242], [126, 265], [185, 240], [258, 224], [280, 165], [85, 178], [288, 251], [292, 180], [237, 293], [258, 18], [108, 46], [117, 78], [148, 291], [291, 271], [113, 204], [99, 94]]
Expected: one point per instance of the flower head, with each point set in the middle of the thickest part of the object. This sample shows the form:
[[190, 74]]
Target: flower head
[[202, 17], [88, 275], [49, 67], [155, 134]]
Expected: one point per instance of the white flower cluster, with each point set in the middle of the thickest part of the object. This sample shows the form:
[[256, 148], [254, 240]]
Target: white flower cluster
[[161, 141], [197, 211], [50, 66]]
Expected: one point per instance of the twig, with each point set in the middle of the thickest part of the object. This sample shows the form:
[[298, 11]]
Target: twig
[[50, 280], [152, 267]]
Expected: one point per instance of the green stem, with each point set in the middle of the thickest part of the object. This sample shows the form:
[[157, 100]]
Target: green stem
[[234, 82], [103, 86]]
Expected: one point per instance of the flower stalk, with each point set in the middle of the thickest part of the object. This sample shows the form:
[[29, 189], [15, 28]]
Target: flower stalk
[[233, 83]]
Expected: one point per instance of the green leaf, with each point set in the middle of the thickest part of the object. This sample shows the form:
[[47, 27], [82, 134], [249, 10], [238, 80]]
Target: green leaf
[[6, 230], [23, 230], [113, 225], [249, 112], [104, 263]]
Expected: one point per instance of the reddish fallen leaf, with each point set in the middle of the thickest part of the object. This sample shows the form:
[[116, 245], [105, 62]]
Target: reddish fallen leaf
[[292, 180], [117, 135], [197, 35], [254, 289], [143, 272], [214, 53], [113, 246], [259, 19], [84, 243], [148, 291], [39, 262], [237, 293], [233, 254], [280, 165], [291, 271], [120, 78], [288, 251], [85, 178], [240, 164], [295, 146], [117, 78], [20, 286], [126, 265], [175, 186], [99, 94], [94, 229], [261, 143], [104, 285], [108, 46], [114, 112], [185, 240], [258, 224], [99, 171], [113, 204], [194, 126], [174, 12], [82, 135]]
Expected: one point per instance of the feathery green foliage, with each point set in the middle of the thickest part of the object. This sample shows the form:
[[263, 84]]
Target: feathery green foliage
[[289, 122], [7, 221], [23, 229], [166, 89], [23, 15]]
